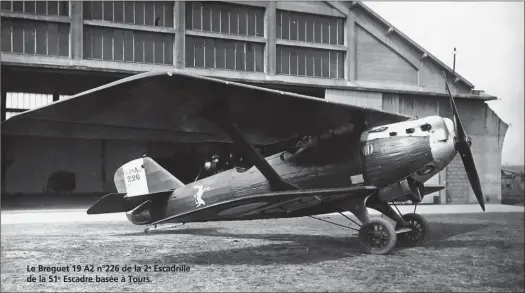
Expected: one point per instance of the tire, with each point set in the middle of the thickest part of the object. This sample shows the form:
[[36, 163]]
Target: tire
[[420, 232], [377, 236]]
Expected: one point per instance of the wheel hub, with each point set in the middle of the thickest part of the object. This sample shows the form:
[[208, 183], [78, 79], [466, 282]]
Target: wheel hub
[[416, 232], [377, 236]]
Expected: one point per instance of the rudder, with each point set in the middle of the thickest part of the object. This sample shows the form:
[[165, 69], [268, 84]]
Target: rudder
[[144, 176]]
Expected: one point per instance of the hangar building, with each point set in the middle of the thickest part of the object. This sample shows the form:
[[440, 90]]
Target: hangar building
[[332, 50]]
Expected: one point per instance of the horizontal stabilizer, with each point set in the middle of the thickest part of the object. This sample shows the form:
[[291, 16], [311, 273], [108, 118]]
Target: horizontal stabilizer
[[120, 202], [111, 203]]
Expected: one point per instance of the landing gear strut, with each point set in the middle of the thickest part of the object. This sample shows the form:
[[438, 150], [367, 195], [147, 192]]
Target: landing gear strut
[[377, 235]]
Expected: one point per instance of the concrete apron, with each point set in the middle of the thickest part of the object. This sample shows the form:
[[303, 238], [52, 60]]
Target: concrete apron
[[79, 215]]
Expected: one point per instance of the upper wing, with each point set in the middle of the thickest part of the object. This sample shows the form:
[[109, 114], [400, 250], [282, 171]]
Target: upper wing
[[270, 203], [172, 106]]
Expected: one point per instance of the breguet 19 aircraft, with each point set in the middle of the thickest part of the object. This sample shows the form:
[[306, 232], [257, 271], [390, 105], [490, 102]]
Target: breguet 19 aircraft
[[344, 157]]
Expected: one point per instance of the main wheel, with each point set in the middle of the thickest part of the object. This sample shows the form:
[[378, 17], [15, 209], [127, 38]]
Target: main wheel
[[377, 236], [419, 233]]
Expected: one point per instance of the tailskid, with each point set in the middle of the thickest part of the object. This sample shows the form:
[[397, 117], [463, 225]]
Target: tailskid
[[158, 227]]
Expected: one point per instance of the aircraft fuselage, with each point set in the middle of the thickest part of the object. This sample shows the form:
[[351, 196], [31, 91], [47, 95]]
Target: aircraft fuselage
[[381, 157]]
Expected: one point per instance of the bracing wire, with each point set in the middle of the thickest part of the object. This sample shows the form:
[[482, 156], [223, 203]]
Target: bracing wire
[[350, 219], [323, 220]]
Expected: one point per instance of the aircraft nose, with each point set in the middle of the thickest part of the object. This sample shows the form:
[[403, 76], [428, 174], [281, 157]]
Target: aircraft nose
[[442, 143]]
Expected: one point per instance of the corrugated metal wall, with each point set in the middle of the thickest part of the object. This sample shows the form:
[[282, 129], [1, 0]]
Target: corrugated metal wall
[[35, 37]]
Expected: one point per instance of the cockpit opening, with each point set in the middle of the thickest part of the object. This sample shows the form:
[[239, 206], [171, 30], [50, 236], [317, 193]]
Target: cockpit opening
[[310, 147]]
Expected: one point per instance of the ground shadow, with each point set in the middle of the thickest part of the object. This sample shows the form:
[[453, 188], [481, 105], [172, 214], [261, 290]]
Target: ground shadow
[[440, 232], [292, 248]]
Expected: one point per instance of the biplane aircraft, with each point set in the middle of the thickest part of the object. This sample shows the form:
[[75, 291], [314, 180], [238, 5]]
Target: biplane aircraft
[[346, 158]]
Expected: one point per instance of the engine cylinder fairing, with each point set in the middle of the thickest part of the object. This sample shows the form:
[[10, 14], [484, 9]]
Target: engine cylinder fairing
[[416, 149], [389, 155]]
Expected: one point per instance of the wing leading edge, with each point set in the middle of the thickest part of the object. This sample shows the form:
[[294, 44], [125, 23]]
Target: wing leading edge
[[172, 106]]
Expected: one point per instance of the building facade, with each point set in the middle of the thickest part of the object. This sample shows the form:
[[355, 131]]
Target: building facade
[[334, 50], [512, 185]]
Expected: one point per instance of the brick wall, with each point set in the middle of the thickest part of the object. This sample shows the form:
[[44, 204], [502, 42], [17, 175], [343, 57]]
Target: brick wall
[[457, 182]]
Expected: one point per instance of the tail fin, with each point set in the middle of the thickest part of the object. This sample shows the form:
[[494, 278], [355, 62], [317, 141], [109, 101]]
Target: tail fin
[[144, 176], [137, 181]]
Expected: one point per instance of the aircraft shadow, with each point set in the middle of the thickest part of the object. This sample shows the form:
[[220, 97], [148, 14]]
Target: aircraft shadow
[[441, 232], [292, 248]]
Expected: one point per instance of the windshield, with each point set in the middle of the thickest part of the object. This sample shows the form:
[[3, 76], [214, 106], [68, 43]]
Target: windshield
[[306, 141]]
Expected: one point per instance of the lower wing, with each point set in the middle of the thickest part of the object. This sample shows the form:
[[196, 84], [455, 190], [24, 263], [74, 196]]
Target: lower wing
[[270, 203]]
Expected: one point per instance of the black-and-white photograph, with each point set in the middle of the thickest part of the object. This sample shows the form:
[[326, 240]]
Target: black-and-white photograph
[[271, 146]]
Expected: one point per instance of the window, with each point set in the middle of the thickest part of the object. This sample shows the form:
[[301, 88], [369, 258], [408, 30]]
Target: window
[[309, 28], [224, 54], [20, 102], [311, 62], [127, 45], [225, 18], [35, 37], [149, 13], [37, 7], [303, 27]]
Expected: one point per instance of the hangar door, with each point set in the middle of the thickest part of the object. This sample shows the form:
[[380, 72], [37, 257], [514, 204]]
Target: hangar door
[[404, 104], [419, 106]]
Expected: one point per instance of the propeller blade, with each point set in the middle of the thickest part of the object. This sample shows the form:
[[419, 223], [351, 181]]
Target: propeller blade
[[472, 174], [460, 131], [462, 144]]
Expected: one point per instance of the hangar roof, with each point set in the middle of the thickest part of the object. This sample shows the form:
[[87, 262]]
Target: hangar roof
[[337, 5], [409, 59]]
